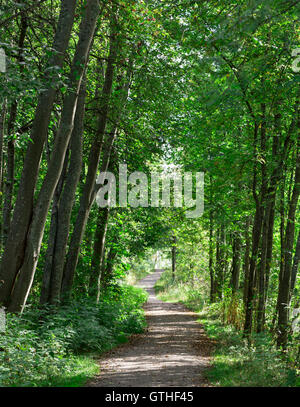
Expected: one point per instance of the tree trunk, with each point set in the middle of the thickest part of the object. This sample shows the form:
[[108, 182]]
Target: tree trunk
[[220, 262], [174, 258], [46, 284], [98, 251], [2, 131], [261, 277], [236, 248], [94, 157], [10, 173], [285, 282], [211, 259], [269, 246], [51, 290], [246, 261], [15, 246], [282, 250], [295, 266], [34, 237], [252, 269], [261, 273], [107, 272], [257, 226]]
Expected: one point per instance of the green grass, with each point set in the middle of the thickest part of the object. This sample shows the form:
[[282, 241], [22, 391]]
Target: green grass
[[83, 368], [189, 294], [234, 363]]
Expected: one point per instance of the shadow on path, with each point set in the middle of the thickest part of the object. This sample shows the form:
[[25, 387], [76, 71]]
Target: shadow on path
[[173, 351]]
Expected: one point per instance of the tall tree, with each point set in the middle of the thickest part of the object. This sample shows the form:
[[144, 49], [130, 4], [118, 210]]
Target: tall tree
[[33, 240], [14, 253]]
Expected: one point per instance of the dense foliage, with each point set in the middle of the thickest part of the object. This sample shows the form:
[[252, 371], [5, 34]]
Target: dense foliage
[[210, 86], [45, 347]]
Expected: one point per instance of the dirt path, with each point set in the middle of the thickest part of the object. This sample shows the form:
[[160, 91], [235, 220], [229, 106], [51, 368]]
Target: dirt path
[[173, 351]]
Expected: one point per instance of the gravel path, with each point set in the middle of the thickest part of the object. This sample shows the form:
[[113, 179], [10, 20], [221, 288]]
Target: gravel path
[[173, 351]]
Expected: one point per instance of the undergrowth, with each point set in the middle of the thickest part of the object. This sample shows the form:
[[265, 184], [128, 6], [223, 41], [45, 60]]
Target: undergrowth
[[235, 362], [138, 271], [48, 347]]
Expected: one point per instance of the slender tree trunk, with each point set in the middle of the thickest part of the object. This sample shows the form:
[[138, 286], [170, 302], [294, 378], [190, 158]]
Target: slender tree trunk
[[252, 269], [211, 259], [86, 200], [90, 190], [174, 258], [52, 237], [246, 260], [51, 289], [2, 131], [98, 250], [295, 266], [262, 275], [269, 246], [285, 282], [236, 262], [276, 176], [256, 231], [15, 246], [10, 173], [220, 262], [282, 249], [106, 275], [34, 238]]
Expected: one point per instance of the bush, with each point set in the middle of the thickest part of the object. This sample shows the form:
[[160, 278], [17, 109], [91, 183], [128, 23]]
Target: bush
[[43, 344]]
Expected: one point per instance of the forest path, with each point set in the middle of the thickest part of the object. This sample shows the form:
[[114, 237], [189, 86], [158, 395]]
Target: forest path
[[173, 351]]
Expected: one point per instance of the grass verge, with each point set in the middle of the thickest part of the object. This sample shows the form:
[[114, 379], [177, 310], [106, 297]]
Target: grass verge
[[83, 368]]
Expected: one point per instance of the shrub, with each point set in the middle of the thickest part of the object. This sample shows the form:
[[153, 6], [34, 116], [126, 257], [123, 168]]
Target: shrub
[[43, 343]]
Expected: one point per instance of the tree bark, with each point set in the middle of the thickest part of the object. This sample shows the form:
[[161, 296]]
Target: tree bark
[[246, 261], [220, 262], [108, 270], [257, 226], [34, 238], [14, 253], [52, 237], [98, 251], [295, 266], [51, 290], [10, 171], [236, 248], [211, 258], [2, 132], [174, 258], [282, 250], [86, 200], [261, 274], [252, 269], [285, 282]]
